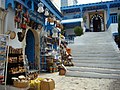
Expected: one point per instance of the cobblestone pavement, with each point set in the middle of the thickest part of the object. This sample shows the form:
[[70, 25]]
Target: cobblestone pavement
[[78, 83]]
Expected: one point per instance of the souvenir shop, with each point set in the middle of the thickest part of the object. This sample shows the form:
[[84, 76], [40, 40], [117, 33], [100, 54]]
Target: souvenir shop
[[32, 44]]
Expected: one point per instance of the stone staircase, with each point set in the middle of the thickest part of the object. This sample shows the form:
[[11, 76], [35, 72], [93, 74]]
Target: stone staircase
[[95, 55]]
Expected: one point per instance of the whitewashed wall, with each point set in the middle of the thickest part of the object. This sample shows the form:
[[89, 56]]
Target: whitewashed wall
[[10, 26], [57, 4], [113, 28]]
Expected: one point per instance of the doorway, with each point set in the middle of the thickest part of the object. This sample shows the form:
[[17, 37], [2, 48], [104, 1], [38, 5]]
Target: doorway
[[96, 24], [30, 49]]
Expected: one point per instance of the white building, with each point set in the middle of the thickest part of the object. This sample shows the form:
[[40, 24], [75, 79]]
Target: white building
[[68, 2], [57, 3], [3, 13]]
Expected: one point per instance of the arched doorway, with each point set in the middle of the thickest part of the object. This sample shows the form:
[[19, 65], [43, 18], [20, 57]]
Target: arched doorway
[[96, 23], [30, 49]]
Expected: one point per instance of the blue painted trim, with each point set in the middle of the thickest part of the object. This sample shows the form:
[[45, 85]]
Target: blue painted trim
[[72, 22], [32, 8], [108, 12], [9, 2], [89, 5], [21, 2]]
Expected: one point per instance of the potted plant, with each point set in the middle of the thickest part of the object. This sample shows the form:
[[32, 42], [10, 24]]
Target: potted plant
[[78, 31]]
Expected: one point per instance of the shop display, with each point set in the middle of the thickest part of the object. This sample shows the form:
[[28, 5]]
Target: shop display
[[35, 84], [62, 71], [47, 84], [42, 84], [20, 82], [48, 53], [11, 33], [15, 64], [32, 74], [66, 54], [4, 42]]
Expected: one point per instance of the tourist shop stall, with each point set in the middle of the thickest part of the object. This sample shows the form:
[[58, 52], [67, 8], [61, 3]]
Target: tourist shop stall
[[26, 27]]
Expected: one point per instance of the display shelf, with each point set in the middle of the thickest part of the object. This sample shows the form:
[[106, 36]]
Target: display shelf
[[15, 64], [47, 56], [4, 43]]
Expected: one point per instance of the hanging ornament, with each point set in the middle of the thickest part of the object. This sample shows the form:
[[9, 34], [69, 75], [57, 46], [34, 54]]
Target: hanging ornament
[[40, 8], [46, 12], [54, 18]]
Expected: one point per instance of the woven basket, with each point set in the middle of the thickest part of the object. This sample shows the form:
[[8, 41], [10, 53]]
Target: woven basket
[[20, 84]]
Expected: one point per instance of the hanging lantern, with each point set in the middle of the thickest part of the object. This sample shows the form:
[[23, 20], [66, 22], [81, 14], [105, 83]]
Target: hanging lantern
[[46, 12], [40, 8]]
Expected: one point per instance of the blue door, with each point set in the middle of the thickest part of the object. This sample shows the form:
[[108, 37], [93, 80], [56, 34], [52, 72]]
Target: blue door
[[30, 49]]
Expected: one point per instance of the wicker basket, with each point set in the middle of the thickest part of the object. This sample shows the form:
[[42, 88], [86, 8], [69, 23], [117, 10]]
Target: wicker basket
[[21, 84]]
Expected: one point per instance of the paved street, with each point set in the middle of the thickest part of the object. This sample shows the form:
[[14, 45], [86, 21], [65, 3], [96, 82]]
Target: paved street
[[97, 64]]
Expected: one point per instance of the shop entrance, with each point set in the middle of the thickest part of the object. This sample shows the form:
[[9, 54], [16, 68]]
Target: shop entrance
[[30, 49], [96, 24]]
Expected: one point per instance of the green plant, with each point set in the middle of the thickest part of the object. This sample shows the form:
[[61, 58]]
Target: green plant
[[78, 31]]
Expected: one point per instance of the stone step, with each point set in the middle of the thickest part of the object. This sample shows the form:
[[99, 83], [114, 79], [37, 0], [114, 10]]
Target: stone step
[[96, 55], [92, 75], [97, 61], [92, 52], [94, 70], [98, 65], [96, 58]]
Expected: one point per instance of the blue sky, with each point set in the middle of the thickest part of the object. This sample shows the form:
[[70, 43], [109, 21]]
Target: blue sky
[[90, 1]]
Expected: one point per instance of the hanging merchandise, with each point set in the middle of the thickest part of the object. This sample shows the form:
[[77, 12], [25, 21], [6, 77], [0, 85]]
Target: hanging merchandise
[[11, 33], [55, 32], [46, 12], [20, 36], [26, 17], [40, 8], [17, 18], [50, 20]]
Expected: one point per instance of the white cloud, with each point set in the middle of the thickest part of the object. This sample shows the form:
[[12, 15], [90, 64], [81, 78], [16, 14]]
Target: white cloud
[[90, 1]]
